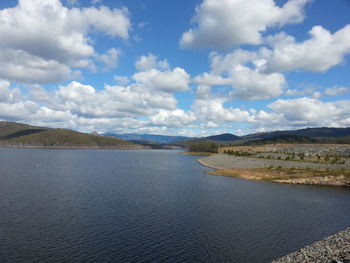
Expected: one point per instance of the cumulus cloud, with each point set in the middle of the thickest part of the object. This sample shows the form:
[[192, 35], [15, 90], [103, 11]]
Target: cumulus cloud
[[168, 81], [4, 90], [175, 118], [224, 23], [241, 70], [213, 111], [210, 109], [41, 40], [322, 51], [250, 84], [112, 101], [122, 80], [211, 80], [313, 112], [110, 58], [145, 63], [336, 90]]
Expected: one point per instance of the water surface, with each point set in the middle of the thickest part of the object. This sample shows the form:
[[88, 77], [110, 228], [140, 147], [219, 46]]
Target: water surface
[[152, 206]]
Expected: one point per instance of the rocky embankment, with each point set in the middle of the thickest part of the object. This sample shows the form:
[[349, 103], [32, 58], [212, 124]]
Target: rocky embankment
[[332, 249], [223, 161]]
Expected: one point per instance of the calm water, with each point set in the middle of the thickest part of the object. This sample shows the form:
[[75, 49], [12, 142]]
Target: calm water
[[152, 206]]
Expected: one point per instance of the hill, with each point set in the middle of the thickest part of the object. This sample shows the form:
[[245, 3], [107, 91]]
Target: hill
[[223, 137], [322, 132], [23, 135], [281, 139], [147, 138], [220, 139]]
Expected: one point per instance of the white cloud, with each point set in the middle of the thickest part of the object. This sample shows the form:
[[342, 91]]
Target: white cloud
[[248, 82], [110, 58], [322, 51], [146, 63], [336, 90], [211, 80], [252, 85], [220, 64], [122, 80], [168, 81], [224, 23], [20, 66], [39, 94], [6, 93], [313, 112], [296, 92], [175, 118], [212, 110], [112, 101], [46, 39]]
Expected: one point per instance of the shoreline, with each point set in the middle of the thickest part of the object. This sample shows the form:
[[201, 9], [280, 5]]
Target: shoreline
[[76, 147], [334, 248], [260, 170]]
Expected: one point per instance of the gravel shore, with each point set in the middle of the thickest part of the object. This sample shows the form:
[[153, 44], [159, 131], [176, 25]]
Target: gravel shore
[[332, 249], [224, 161]]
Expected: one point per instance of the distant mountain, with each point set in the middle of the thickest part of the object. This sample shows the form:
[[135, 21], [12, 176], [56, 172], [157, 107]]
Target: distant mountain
[[323, 132], [282, 139], [23, 135], [223, 137], [147, 138]]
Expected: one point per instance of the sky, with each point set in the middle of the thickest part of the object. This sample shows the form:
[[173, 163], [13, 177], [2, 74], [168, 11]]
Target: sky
[[185, 67]]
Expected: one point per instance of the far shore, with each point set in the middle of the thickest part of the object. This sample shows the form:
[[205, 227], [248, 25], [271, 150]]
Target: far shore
[[127, 147], [285, 172], [198, 153]]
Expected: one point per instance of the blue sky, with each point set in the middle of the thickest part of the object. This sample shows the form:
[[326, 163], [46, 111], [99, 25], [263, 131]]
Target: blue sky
[[187, 67]]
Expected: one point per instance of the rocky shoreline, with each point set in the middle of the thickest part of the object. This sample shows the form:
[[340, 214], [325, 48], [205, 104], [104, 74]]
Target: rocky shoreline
[[332, 249], [224, 161]]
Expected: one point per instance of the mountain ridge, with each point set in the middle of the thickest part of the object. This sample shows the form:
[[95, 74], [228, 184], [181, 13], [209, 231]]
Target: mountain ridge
[[23, 135]]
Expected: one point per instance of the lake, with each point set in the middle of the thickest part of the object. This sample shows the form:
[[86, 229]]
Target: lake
[[152, 206]]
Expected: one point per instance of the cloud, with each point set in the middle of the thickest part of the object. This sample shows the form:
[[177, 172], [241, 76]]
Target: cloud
[[319, 53], [224, 23], [313, 112], [110, 58], [46, 39], [112, 101], [211, 80], [241, 70], [122, 80], [210, 109], [336, 90], [167, 81], [175, 118], [250, 84], [145, 63], [6, 93], [20, 66]]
